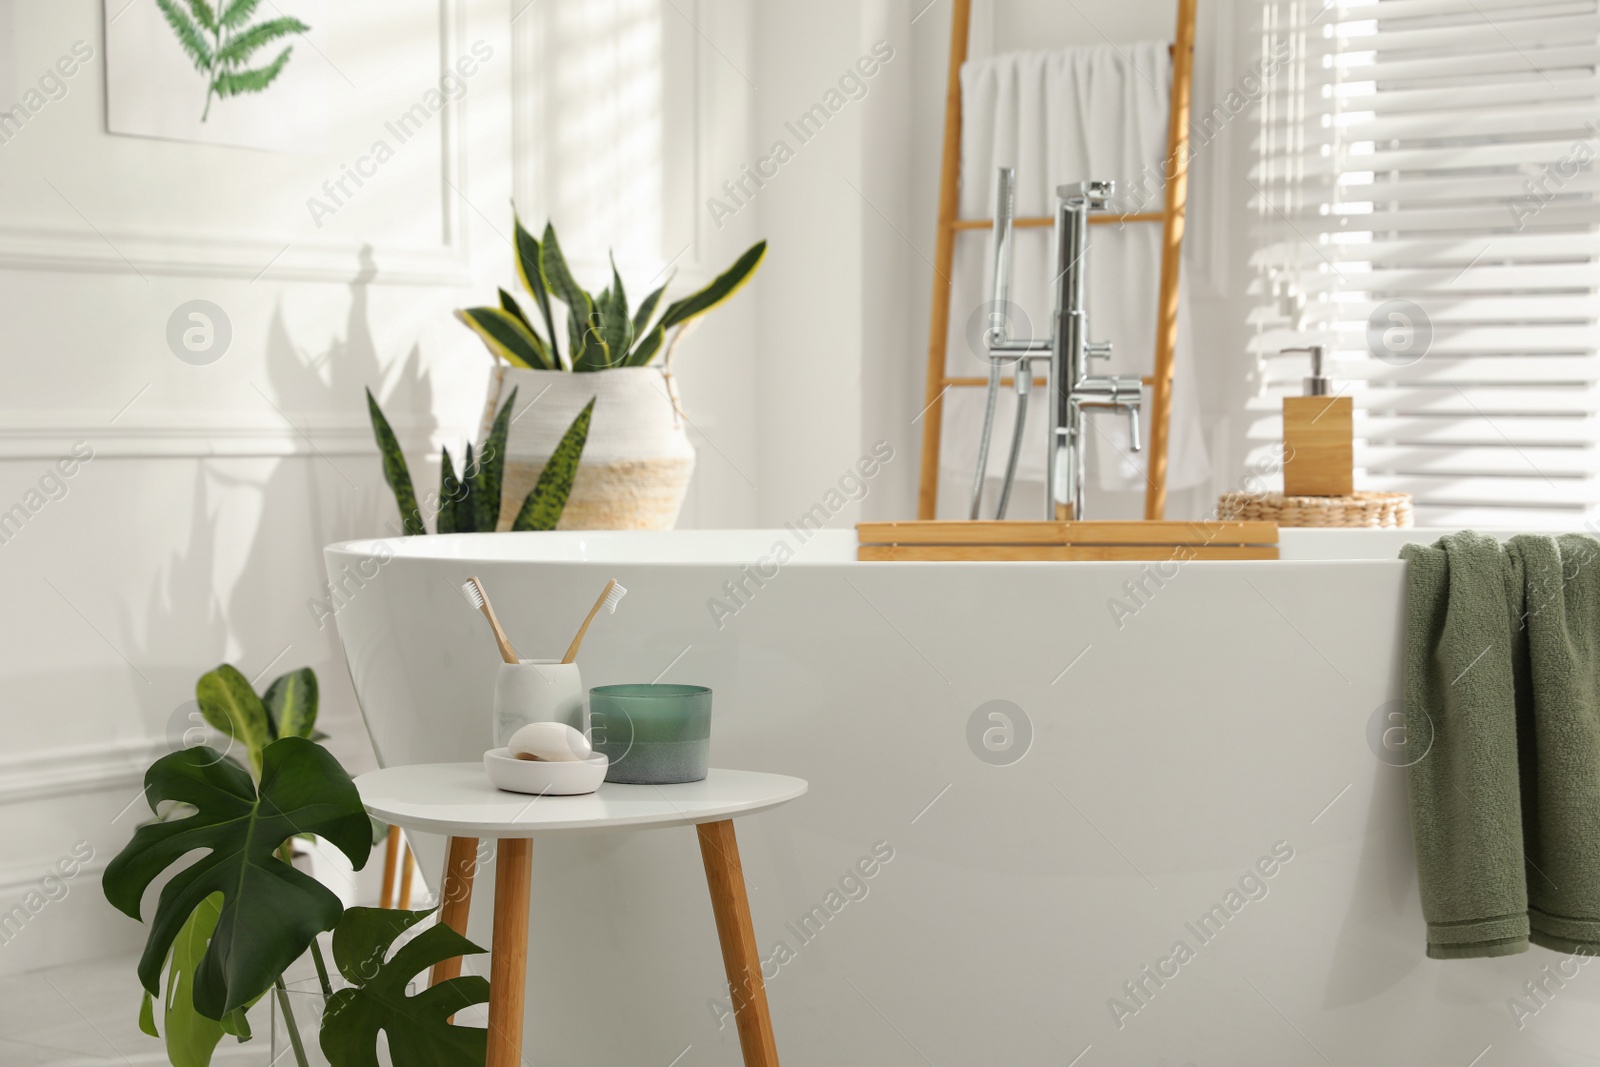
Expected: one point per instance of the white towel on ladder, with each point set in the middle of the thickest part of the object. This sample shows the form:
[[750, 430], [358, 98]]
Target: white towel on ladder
[[1058, 118]]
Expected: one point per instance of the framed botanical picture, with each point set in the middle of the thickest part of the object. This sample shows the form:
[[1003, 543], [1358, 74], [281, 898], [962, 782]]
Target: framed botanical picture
[[232, 72]]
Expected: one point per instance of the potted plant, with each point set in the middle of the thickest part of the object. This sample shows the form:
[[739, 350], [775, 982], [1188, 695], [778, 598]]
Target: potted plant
[[226, 926], [636, 469]]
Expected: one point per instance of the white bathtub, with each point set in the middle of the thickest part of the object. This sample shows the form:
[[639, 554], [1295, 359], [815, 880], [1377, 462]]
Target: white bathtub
[[1237, 711]]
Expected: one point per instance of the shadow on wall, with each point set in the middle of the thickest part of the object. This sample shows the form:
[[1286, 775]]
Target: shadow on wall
[[263, 623]]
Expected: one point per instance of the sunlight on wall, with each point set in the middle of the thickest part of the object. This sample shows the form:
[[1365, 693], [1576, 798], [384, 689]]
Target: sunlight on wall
[[590, 85]]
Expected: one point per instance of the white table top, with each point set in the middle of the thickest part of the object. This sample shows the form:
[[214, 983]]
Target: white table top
[[458, 799]]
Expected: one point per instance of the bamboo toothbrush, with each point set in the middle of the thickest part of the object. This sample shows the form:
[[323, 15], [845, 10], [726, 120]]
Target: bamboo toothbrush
[[609, 596], [472, 592]]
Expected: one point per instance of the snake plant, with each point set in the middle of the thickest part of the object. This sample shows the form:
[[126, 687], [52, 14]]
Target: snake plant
[[601, 331], [217, 37], [470, 502]]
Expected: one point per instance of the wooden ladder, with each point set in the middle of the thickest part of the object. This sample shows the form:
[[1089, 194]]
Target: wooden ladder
[[1171, 217]]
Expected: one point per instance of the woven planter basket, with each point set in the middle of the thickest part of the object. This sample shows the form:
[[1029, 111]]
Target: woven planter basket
[[636, 466], [1357, 509]]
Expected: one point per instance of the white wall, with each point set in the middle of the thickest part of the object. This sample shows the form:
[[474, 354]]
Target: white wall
[[193, 535]]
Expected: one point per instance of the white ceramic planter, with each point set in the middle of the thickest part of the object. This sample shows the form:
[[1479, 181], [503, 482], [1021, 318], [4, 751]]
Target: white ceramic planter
[[636, 466], [537, 691]]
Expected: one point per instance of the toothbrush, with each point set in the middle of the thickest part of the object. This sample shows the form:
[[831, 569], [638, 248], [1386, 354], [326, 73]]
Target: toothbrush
[[472, 592], [609, 596]]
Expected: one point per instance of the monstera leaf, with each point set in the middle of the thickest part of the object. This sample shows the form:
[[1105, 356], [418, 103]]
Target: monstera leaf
[[191, 1037], [419, 1030], [270, 912]]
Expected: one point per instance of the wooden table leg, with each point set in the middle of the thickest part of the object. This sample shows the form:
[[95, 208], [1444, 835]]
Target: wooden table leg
[[455, 894], [391, 863], [508, 959], [740, 958], [407, 862]]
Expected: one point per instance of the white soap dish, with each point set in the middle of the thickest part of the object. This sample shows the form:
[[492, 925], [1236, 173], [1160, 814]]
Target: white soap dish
[[556, 778]]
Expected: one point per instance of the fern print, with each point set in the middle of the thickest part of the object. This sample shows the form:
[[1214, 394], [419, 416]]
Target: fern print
[[216, 38]]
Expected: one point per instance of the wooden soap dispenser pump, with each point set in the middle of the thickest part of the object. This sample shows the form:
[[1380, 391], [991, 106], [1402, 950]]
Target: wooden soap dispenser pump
[[1318, 437]]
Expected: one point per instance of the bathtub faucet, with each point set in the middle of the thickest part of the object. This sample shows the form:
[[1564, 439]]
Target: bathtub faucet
[[1066, 352]]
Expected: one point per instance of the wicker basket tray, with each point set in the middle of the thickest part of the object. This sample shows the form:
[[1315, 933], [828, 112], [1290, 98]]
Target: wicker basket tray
[[1357, 509]]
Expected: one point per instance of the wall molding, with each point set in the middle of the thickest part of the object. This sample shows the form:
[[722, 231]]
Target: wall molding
[[17, 878], [129, 251], [77, 770], [49, 440]]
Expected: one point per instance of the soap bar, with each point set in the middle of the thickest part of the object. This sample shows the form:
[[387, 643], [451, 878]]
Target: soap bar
[[1318, 452], [553, 741]]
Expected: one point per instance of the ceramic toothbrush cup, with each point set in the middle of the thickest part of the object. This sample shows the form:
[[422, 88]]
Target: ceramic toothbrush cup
[[652, 734], [537, 690]]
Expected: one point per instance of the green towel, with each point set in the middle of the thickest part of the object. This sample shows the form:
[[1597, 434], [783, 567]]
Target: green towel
[[1502, 699]]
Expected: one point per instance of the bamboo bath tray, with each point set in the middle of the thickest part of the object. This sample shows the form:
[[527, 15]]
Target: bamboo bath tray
[[1035, 541]]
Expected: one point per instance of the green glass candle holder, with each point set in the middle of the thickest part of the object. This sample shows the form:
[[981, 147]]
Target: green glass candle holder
[[652, 734]]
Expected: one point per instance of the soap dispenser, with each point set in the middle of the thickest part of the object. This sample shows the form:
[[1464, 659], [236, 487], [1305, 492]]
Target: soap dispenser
[[1318, 437]]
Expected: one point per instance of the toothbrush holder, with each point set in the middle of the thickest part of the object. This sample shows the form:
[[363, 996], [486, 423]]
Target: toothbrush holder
[[537, 690]]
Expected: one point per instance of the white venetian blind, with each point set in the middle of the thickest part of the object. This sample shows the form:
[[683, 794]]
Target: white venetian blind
[[1425, 192]]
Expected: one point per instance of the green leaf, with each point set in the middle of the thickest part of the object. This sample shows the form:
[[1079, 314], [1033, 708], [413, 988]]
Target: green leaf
[[721, 288], [238, 82], [509, 305], [237, 12], [532, 280], [580, 307], [507, 337], [466, 506], [641, 318], [191, 1037], [241, 46], [203, 14], [270, 911], [291, 702], [418, 1027], [230, 705], [647, 348], [489, 479], [593, 351], [190, 38], [449, 489], [618, 294], [395, 471], [542, 508], [612, 322]]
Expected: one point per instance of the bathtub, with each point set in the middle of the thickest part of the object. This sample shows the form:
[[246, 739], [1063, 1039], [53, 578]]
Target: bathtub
[[1133, 816]]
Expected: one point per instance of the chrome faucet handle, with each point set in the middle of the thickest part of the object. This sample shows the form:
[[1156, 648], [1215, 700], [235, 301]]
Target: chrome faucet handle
[[1096, 192], [1133, 428], [1097, 350]]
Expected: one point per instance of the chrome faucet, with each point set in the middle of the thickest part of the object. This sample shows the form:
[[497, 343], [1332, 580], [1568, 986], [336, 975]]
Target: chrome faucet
[[1067, 352]]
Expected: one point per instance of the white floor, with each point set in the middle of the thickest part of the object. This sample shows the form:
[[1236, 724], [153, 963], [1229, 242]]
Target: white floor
[[87, 1014]]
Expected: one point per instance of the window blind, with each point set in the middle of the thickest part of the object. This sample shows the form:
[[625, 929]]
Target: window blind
[[1425, 203]]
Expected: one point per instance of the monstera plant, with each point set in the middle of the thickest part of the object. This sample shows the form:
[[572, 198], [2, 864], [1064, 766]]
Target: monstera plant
[[226, 926]]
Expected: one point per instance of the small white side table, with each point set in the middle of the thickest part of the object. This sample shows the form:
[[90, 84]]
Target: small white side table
[[458, 800]]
